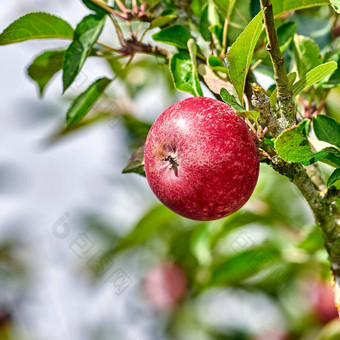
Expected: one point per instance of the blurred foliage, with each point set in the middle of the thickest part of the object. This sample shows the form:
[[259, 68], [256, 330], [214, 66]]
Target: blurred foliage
[[270, 248]]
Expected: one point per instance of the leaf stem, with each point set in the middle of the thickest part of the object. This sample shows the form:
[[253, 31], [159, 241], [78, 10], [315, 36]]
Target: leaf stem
[[225, 35], [284, 92], [118, 30]]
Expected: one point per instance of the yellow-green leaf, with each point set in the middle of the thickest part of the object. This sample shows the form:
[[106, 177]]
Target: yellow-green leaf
[[36, 26]]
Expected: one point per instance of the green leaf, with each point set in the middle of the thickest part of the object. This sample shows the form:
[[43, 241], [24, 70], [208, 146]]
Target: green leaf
[[152, 3], [214, 61], [285, 34], [334, 177], [334, 80], [162, 20], [307, 54], [240, 111], [239, 19], [137, 130], [214, 83], [216, 64], [273, 97], [314, 76], [231, 100], [336, 5], [332, 160], [222, 6], [136, 162], [293, 146], [241, 52], [183, 71], [245, 264], [280, 7], [314, 241], [36, 26], [83, 103], [327, 129], [85, 36], [210, 17], [253, 115], [91, 5], [44, 67], [217, 36], [176, 35], [157, 219], [204, 24]]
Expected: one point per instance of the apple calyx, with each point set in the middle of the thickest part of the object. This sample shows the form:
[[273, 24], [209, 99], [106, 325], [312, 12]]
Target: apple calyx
[[173, 162]]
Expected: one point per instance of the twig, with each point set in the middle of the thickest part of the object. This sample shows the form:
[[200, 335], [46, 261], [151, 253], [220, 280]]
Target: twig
[[284, 92], [118, 30], [107, 47], [315, 176], [109, 9], [267, 116]]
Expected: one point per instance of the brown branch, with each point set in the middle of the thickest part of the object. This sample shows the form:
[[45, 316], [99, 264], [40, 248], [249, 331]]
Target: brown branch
[[284, 92], [324, 210]]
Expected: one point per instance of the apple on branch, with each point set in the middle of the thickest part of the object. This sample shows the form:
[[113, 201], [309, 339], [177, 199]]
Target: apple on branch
[[200, 159]]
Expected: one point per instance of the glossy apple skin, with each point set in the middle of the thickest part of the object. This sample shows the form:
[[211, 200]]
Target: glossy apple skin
[[200, 159]]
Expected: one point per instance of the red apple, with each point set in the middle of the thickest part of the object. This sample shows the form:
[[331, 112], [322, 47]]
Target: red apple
[[200, 159], [165, 285]]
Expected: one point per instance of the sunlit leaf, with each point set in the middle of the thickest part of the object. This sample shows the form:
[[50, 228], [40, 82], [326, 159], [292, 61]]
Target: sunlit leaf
[[36, 26], [241, 52], [293, 146], [283, 6], [162, 20], [314, 76]]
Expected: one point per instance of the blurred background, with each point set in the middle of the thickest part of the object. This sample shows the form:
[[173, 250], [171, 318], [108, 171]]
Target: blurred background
[[88, 253]]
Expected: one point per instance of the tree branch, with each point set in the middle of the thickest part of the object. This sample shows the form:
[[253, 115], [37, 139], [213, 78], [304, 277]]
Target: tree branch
[[324, 210], [284, 92]]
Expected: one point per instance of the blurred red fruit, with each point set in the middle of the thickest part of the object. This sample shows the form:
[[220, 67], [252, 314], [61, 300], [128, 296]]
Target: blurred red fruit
[[322, 297], [165, 285]]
